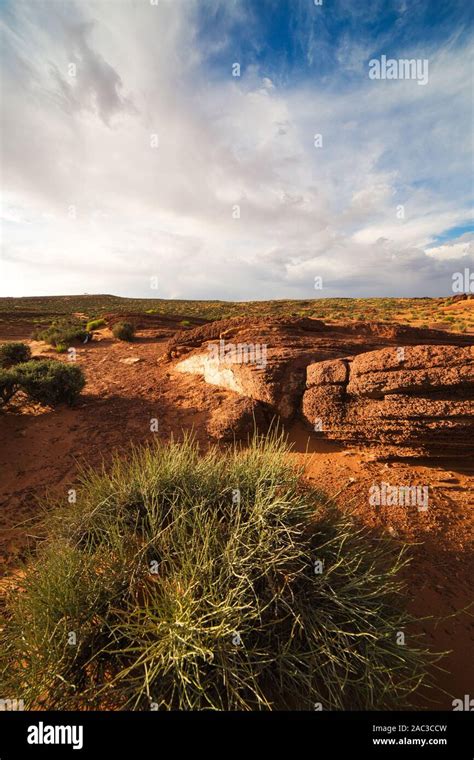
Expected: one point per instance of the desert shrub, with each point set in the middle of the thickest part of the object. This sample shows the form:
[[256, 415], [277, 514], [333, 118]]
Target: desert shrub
[[123, 331], [95, 324], [61, 348], [14, 353], [8, 385], [192, 595], [50, 382], [64, 332]]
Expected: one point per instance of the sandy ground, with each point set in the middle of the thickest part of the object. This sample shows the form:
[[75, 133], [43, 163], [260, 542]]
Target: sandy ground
[[41, 451]]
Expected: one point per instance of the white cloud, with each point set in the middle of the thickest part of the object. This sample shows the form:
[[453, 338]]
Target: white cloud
[[91, 206], [454, 250]]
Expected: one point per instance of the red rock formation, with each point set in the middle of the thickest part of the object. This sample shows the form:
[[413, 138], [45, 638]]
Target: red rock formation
[[237, 419], [370, 383], [416, 400]]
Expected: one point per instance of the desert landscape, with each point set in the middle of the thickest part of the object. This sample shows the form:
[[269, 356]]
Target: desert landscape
[[383, 403], [236, 377]]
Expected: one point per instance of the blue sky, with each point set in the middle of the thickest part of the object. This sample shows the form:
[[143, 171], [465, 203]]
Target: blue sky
[[294, 39], [131, 154]]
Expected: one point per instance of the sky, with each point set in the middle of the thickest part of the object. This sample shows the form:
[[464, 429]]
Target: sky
[[235, 149]]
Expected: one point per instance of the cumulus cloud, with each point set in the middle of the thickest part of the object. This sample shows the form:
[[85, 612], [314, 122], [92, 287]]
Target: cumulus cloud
[[148, 162]]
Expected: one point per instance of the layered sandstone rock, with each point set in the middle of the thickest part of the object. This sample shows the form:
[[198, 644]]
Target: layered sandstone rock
[[373, 384], [411, 370], [266, 359], [410, 400]]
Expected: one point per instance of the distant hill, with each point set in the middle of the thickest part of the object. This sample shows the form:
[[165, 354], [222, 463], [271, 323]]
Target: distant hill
[[450, 313]]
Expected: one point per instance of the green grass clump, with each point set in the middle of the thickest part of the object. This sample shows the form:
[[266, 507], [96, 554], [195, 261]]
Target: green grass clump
[[95, 324], [178, 594], [14, 353], [123, 331], [50, 382]]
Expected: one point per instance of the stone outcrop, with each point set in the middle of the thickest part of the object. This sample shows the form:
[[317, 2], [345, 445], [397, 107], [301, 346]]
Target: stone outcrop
[[419, 400], [367, 383], [334, 372], [265, 360], [237, 419], [411, 370]]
